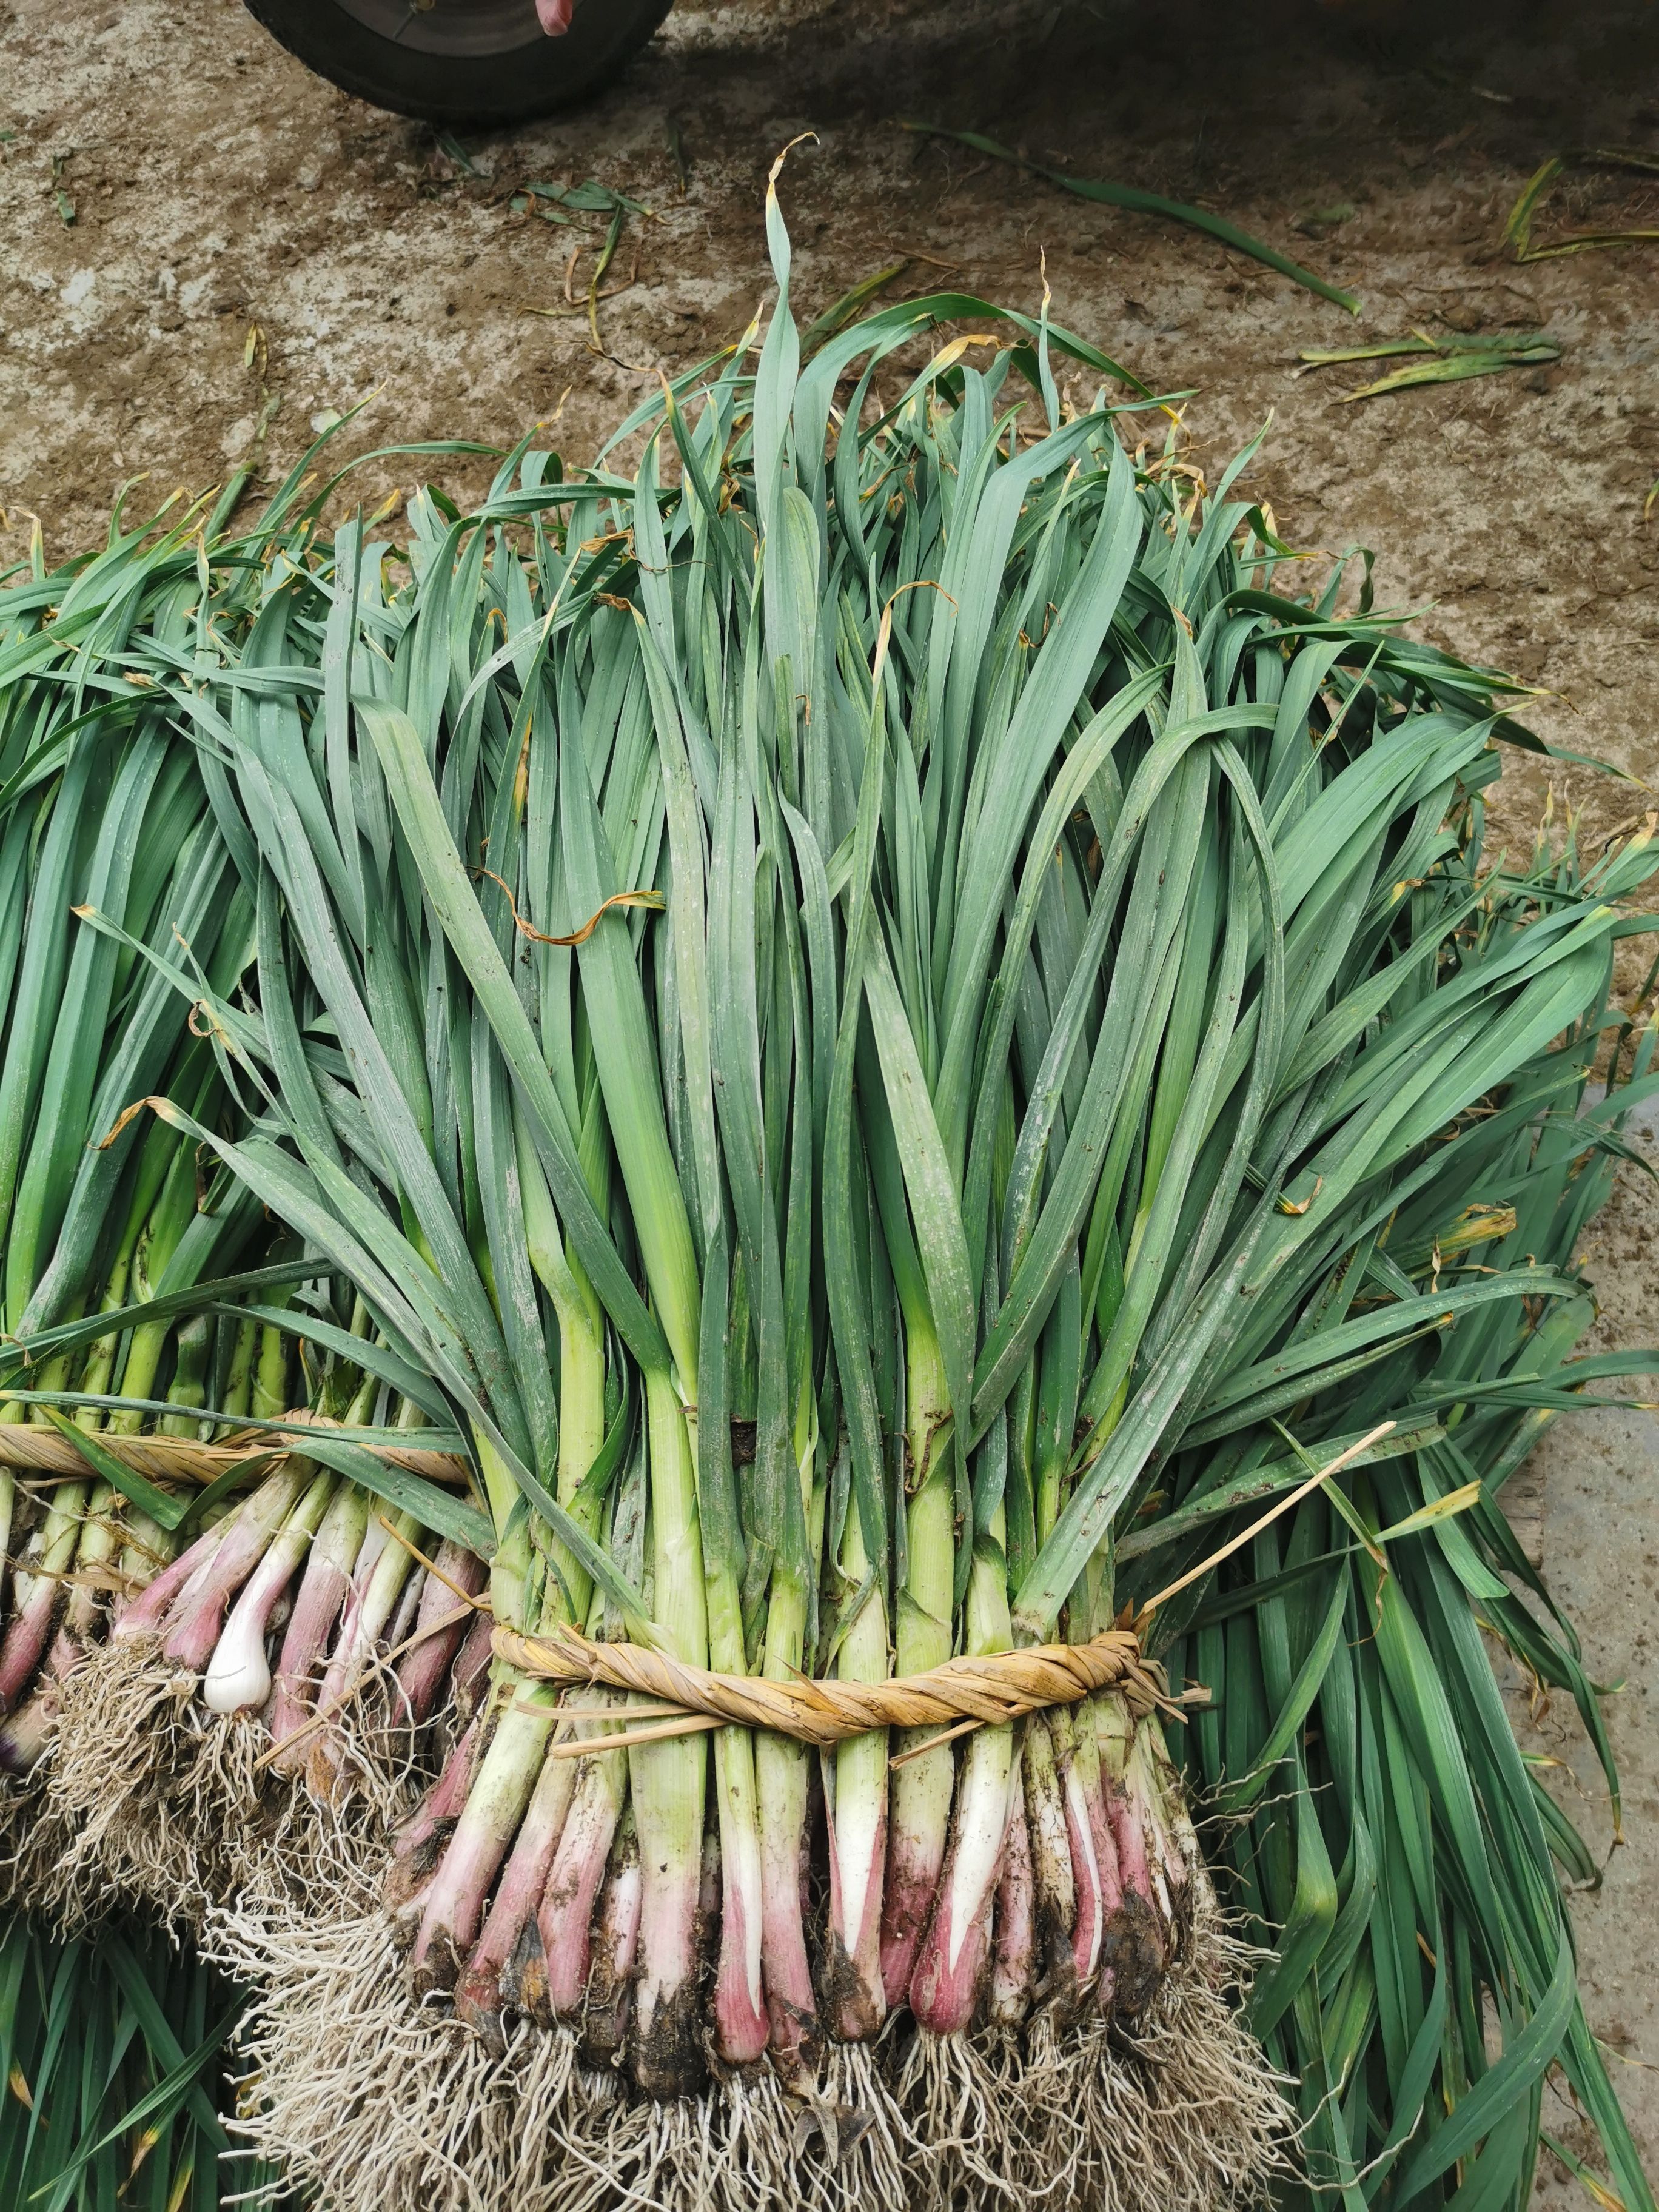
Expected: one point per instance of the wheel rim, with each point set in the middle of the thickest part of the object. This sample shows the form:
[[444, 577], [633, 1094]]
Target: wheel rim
[[455, 27]]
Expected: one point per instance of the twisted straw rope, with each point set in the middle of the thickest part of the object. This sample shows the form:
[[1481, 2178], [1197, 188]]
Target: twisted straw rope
[[182, 1459], [998, 1688]]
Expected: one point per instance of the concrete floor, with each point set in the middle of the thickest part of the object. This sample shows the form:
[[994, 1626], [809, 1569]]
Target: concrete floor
[[248, 246]]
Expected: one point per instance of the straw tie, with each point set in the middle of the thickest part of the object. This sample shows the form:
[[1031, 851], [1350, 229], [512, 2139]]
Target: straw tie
[[988, 1690], [182, 1459]]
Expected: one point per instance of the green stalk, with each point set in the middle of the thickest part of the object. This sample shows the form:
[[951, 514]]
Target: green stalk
[[239, 1376], [509, 1567], [193, 1357], [56, 1375], [169, 1218], [858, 1834], [269, 1400], [944, 1987], [581, 1362], [781, 1773], [145, 1550], [100, 1543], [669, 1779], [155, 1156], [921, 1788]]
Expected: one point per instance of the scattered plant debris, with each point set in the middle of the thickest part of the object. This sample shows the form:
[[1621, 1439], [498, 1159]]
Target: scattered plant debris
[[451, 146], [1445, 360], [563, 204], [1518, 231], [1139, 203], [1319, 222]]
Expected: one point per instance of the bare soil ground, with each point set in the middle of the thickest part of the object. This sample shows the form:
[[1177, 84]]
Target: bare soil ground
[[250, 251]]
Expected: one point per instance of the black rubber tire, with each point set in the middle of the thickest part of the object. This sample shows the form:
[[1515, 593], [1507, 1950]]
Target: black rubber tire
[[462, 61]]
